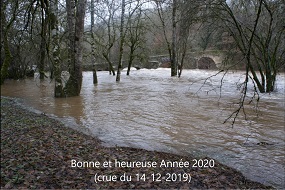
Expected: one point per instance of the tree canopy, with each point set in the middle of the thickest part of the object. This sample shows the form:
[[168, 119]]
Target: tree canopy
[[63, 37]]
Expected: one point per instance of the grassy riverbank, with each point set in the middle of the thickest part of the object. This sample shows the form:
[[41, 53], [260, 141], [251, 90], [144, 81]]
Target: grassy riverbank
[[36, 152]]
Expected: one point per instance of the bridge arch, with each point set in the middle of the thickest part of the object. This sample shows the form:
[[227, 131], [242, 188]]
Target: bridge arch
[[206, 63], [218, 57]]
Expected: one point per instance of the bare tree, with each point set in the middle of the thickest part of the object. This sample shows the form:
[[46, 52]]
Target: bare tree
[[258, 36], [105, 35], [123, 30], [182, 14], [135, 36], [163, 16], [258, 32], [187, 18]]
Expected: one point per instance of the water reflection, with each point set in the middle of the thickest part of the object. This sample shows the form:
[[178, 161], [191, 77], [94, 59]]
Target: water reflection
[[151, 110]]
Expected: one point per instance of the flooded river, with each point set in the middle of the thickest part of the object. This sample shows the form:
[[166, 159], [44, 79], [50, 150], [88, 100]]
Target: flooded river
[[154, 111]]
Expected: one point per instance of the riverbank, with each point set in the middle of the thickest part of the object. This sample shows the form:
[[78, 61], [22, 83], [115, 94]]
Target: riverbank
[[37, 152]]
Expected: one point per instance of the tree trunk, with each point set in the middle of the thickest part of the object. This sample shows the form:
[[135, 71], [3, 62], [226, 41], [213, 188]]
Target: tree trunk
[[131, 58], [111, 69], [111, 40], [75, 15], [173, 48], [122, 36], [182, 60], [95, 79]]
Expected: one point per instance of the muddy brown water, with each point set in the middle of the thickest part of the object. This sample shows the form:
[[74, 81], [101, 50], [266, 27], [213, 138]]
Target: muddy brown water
[[153, 111]]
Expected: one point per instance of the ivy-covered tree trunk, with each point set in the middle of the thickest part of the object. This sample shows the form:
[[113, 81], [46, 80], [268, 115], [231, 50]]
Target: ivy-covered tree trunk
[[7, 59], [75, 19], [58, 89], [8, 56], [44, 20]]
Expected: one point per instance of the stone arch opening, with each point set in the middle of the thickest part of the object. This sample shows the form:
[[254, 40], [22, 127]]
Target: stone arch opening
[[206, 63]]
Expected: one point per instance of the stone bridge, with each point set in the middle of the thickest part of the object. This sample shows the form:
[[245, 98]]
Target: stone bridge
[[192, 59]]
